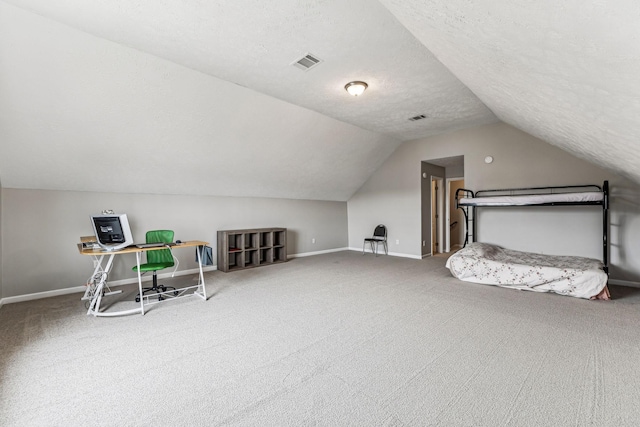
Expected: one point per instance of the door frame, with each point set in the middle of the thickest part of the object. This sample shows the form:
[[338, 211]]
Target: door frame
[[450, 198], [439, 205]]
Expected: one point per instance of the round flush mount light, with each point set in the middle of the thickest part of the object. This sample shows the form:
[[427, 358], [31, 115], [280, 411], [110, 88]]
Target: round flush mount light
[[488, 159], [356, 88]]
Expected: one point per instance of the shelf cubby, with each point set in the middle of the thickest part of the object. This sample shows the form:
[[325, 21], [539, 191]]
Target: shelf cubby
[[279, 254], [236, 260], [252, 258]]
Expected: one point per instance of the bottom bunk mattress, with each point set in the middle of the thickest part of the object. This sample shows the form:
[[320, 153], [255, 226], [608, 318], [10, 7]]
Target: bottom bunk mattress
[[565, 275]]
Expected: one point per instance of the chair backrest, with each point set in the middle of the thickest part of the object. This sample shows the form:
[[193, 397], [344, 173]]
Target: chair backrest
[[161, 255], [380, 231]]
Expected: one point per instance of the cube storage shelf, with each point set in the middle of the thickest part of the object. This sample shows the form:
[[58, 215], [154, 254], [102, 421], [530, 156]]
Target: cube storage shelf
[[240, 249]]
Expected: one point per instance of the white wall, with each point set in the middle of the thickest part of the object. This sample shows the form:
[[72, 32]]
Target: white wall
[[1, 260], [392, 196], [40, 230]]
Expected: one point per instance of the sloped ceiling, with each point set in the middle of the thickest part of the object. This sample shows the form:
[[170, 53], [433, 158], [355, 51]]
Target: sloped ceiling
[[567, 72], [200, 97], [86, 114]]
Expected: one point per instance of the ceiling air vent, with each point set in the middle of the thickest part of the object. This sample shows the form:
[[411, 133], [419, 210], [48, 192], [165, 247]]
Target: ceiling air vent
[[307, 62], [420, 117]]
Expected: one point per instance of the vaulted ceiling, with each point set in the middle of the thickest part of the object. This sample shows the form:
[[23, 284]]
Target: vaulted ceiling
[[191, 97]]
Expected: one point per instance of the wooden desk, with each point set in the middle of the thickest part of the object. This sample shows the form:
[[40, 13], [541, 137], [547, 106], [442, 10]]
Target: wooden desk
[[97, 286]]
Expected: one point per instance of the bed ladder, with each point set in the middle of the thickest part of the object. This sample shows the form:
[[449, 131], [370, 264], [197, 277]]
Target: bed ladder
[[469, 213], [470, 224]]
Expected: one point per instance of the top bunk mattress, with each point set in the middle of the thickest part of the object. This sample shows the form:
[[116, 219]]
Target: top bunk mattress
[[587, 197]]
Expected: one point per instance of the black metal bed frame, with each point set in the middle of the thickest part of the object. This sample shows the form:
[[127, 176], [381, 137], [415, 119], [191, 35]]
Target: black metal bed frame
[[465, 193]]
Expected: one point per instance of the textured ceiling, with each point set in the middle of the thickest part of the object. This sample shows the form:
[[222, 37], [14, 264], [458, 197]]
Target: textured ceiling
[[567, 72], [253, 43], [208, 87], [81, 113]]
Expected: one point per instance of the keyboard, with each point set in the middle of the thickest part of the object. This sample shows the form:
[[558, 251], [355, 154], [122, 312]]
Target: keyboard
[[150, 245]]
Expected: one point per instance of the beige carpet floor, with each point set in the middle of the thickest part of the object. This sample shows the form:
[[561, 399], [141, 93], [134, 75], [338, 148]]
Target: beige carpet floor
[[333, 340]]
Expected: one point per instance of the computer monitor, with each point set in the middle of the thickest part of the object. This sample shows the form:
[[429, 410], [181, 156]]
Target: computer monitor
[[112, 231]]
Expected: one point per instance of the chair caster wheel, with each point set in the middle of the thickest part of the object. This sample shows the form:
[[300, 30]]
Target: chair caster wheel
[[137, 299], [175, 293]]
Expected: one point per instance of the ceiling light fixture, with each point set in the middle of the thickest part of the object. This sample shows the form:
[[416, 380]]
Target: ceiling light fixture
[[356, 88]]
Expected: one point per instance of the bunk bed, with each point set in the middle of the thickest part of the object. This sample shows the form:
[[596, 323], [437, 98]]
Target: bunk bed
[[490, 264]]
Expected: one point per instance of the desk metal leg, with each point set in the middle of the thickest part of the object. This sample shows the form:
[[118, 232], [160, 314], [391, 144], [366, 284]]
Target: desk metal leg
[[202, 295], [91, 283], [138, 258], [94, 306], [96, 299]]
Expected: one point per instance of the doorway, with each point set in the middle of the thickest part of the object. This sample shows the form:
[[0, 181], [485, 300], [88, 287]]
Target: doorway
[[436, 203]]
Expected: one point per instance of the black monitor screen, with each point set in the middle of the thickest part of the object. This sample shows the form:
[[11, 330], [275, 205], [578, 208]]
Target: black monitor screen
[[112, 231], [109, 230]]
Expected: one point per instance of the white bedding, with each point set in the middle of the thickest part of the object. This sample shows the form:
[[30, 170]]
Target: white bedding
[[535, 199], [566, 275]]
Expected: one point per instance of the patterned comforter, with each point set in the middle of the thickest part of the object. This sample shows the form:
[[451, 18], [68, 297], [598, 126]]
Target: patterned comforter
[[566, 275]]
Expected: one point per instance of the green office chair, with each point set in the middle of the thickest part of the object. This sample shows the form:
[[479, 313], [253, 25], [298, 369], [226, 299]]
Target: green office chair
[[157, 260]]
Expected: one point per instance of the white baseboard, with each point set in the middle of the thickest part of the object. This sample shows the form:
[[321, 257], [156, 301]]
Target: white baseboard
[[368, 250], [77, 289], [624, 283], [46, 294], [327, 251], [115, 283]]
